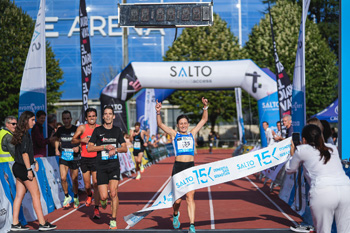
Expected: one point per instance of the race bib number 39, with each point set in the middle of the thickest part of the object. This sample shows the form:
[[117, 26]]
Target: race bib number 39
[[105, 155], [185, 144], [67, 154]]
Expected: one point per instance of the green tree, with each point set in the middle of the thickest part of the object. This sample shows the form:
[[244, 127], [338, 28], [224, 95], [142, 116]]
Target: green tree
[[16, 29], [321, 69], [213, 43], [325, 13]]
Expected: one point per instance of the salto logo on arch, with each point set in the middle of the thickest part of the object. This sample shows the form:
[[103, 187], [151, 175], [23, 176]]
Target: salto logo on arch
[[190, 71]]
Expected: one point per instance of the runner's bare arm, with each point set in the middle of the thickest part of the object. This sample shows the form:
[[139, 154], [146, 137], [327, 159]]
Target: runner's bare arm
[[160, 123], [204, 119], [92, 148], [76, 137]]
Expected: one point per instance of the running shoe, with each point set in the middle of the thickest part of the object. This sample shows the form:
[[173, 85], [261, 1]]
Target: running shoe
[[142, 169], [113, 225], [138, 177], [96, 214], [47, 227], [192, 229], [88, 201], [67, 200], [19, 227], [176, 222], [104, 204], [76, 202], [302, 228]]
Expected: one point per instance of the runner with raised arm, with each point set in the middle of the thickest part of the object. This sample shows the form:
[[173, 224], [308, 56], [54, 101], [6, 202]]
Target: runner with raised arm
[[184, 147]]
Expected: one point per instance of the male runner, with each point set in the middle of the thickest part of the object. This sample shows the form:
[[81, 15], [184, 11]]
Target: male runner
[[69, 157], [136, 137], [108, 141], [88, 159]]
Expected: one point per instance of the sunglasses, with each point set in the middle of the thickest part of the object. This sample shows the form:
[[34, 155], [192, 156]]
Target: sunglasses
[[13, 123]]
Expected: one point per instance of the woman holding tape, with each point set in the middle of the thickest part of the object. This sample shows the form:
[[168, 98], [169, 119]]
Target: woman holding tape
[[183, 142], [329, 185], [22, 170]]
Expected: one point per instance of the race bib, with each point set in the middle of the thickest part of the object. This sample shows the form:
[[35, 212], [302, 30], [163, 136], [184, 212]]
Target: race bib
[[105, 155], [185, 144], [137, 145], [67, 154]]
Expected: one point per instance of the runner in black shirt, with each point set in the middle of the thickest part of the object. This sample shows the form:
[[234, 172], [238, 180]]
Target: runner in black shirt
[[69, 157], [108, 140]]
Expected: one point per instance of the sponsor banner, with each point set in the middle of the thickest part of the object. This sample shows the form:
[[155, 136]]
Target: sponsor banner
[[215, 173], [205, 74], [150, 112], [126, 162], [48, 205], [54, 180], [9, 184], [86, 59], [5, 211], [299, 104], [81, 184], [160, 95], [284, 86], [33, 85], [269, 112]]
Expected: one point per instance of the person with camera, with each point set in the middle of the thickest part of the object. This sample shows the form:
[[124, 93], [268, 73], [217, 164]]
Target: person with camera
[[329, 184]]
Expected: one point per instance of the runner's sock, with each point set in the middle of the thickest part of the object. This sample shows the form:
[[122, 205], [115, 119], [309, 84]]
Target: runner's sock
[[90, 195], [113, 219], [96, 206], [66, 194], [75, 195]]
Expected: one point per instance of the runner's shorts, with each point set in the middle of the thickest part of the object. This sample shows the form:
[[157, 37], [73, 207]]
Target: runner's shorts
[[88, 164], [20, 171], [180, 166], [136, 152], [107, 173], [73, 165]]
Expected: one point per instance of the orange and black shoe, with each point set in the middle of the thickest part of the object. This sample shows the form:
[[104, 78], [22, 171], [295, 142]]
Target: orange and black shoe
[[96, 214]]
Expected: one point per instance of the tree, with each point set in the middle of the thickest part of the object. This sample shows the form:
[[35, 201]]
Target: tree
[[321, 69], [213, 43], [16, 29], [325, 13]]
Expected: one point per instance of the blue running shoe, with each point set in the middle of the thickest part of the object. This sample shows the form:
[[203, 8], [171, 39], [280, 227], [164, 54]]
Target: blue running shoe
[[176, 222], [192, 229]]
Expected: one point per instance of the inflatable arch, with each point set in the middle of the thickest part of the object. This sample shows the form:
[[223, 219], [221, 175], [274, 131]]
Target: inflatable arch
[[193, 75]]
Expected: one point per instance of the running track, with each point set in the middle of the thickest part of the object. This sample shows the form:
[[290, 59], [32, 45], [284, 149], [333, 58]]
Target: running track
[[244, 204]]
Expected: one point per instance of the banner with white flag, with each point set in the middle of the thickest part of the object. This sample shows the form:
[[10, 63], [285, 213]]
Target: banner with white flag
[[298, 99], [215, 173], [150, 113], [238, 94], [33, 87]]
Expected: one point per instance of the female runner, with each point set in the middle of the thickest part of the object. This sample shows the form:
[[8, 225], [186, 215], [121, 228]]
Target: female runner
[[183, 143]]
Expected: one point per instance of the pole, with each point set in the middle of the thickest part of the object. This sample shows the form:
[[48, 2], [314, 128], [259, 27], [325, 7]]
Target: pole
[[125, 45]]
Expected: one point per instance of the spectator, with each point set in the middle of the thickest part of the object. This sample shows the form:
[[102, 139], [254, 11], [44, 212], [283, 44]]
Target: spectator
[[39, 142], [335, 135], [268, 134], [329, 184], [7, 150], [51, 129], [327, 132], [211, 141], [278, 134], [162, 138]]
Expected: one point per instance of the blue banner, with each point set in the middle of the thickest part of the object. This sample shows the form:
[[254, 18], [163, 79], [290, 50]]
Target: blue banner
[[44, 186], [269, 112]]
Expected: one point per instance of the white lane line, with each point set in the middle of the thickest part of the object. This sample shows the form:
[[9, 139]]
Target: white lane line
[[71, 212], [268, 198], [212, 219], [154, 196]]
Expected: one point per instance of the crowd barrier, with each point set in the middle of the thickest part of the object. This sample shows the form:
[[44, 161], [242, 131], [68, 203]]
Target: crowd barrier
[[49, 182]]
